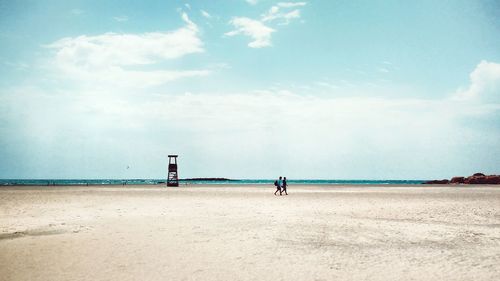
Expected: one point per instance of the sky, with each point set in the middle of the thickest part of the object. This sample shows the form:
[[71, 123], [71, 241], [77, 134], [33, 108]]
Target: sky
[[249, 89]]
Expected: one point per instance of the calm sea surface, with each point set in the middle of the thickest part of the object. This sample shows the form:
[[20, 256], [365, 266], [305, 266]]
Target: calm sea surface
[[182, 182]]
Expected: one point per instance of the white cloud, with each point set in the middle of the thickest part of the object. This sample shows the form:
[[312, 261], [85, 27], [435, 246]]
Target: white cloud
[[291, 4], [190, 25], [112, 49], [260, 33], [276, 12], [109, 56], [257, 28], [252, 2], [287, 17], [120, 18], [484, 84], [205, 14]]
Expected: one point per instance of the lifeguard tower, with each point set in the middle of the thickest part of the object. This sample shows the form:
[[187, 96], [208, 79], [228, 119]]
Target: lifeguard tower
[[173, 178]]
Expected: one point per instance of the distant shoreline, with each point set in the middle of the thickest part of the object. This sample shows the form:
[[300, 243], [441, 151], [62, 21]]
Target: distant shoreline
[[235, 186], [194, 181], [207, 179]]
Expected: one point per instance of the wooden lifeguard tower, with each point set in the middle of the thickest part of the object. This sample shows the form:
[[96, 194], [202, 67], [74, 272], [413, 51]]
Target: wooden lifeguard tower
[[173, 178]]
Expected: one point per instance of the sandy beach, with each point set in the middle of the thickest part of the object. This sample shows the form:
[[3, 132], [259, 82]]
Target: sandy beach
[[246, 233]]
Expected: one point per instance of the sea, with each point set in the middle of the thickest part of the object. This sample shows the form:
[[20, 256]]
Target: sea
[[105, 182]]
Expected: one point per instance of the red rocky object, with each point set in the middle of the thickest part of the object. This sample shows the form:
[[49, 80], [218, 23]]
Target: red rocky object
[[457, 180], [493, 179], [477, 178]]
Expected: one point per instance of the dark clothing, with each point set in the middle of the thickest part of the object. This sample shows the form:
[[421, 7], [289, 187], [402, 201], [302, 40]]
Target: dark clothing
[[278, 186], [277, 189], [284, 187]]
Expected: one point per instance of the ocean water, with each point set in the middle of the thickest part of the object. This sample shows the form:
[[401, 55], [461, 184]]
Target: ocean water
[[84, 182]]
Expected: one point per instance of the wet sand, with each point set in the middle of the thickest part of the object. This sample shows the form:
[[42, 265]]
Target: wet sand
[[246, 233]]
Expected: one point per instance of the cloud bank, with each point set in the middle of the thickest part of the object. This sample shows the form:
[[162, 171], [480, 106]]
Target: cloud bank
[[484, 84], [111, 56], [254, 134]]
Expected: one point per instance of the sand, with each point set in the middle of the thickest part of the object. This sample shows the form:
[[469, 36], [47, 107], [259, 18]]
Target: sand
[[246, 233]]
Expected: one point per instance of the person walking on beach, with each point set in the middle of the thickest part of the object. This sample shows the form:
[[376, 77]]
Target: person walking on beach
[[278, 186], [283, 189]]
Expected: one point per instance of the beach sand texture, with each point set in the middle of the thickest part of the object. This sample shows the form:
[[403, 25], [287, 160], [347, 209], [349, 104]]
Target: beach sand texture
[[246, 233]]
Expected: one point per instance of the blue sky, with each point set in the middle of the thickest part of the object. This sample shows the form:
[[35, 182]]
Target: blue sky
[[249, 89]]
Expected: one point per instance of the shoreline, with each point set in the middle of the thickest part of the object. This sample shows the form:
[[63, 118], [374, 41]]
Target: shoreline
[[83, 182], [236, 185]]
